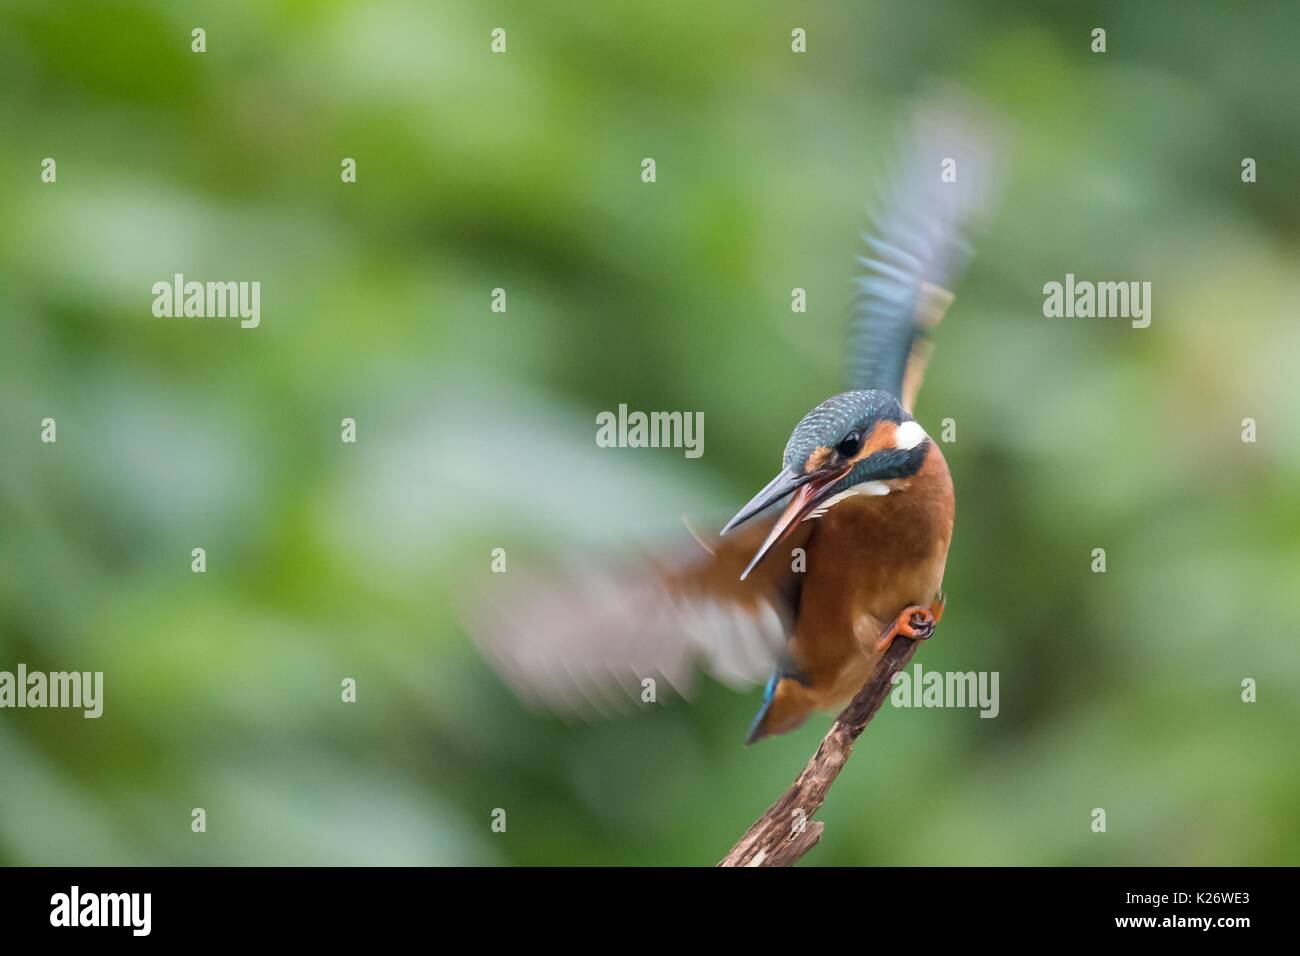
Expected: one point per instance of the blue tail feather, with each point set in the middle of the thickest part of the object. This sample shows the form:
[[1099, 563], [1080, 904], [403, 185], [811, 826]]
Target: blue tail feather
[[756, 731]]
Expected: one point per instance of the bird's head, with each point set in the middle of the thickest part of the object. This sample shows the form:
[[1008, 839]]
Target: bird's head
[[852, 443]]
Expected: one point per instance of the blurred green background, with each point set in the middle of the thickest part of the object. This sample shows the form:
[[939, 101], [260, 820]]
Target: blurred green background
[[476, 429]]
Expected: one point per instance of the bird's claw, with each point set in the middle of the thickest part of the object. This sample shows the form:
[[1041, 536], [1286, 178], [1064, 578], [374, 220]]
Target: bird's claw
[[915, 622]]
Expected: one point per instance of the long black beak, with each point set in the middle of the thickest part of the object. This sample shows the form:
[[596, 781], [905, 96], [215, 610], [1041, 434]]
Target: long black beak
[[808, 489], [776, 489]]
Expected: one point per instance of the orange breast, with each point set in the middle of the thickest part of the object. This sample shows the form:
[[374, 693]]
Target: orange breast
[[868, 558]]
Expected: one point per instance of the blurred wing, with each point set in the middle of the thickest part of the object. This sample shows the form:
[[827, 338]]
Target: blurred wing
[[585, 640], [916, 248]]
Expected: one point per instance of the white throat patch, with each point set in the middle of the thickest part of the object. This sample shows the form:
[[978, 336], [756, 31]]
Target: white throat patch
[[869, 488]]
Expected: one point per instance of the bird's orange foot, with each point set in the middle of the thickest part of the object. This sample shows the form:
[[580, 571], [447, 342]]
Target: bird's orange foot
[[915, 622]]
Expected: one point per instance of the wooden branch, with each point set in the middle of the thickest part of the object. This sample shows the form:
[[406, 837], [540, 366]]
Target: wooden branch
[[786, 830]]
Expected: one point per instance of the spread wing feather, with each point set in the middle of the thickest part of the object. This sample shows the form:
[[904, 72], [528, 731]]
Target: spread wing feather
[[916, 249], [583, 640]]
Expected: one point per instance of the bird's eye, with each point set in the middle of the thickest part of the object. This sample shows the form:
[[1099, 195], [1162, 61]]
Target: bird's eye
[[851, 445]]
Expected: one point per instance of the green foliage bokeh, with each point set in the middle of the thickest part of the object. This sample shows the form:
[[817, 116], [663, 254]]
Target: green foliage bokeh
[[522, 171]]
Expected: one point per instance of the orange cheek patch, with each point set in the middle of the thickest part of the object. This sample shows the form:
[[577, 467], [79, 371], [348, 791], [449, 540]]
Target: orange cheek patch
[[882, 437], [819, 459]]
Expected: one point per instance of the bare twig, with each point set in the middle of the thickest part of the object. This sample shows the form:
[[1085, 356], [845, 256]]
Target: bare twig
[[786, 830]]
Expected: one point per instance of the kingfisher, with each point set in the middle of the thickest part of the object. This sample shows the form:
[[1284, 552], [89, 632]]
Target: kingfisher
[[842, 552]]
